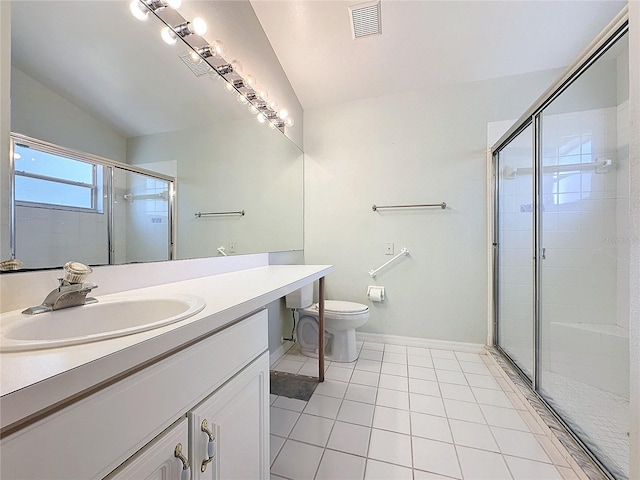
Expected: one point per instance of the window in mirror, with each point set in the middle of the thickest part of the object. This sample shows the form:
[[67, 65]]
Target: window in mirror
[[55, 181]]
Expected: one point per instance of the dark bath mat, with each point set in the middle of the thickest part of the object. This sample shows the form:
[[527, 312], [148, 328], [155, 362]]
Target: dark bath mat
[[292, 386]]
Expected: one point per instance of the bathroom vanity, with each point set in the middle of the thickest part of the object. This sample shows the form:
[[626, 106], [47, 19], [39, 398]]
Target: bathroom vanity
[[187, 400]]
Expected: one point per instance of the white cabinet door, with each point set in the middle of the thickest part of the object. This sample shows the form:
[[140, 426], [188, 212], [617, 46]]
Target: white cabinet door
[[237, 417], [158, 460]]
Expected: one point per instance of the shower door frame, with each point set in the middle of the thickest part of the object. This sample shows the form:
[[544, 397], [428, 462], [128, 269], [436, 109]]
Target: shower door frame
[[110, 166], [618, 27]]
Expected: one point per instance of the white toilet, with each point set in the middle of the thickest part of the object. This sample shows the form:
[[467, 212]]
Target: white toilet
[[340, 321]]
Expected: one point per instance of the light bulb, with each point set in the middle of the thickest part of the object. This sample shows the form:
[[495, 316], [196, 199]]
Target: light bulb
[[199, 26], [175, 4], [284, 113], [288, 122], [138, 10], [261, 118], [195, 58], [250, 82], [217, 48], [272, 125], [237, 67], [229, 87], [242, 100], [263, 94], [168, 36], [253, 109], [273, 105]]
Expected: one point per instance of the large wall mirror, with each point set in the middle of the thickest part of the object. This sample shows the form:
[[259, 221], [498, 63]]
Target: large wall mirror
[[90, 77]]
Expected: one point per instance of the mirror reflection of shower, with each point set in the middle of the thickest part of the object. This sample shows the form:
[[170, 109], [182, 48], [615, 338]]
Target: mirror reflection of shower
[[69, 204]]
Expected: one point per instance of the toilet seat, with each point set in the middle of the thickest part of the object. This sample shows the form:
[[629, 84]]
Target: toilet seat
[[342, 308]]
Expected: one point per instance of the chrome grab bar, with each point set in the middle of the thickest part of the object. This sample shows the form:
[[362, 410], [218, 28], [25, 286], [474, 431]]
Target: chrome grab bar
[[442, 205], [215, 214], [404, 251]]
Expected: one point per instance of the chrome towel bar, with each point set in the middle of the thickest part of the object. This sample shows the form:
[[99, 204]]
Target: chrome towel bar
[[442, 205], [217, 214]]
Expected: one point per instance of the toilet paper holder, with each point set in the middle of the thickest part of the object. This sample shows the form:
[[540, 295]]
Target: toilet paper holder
[[375, 293]]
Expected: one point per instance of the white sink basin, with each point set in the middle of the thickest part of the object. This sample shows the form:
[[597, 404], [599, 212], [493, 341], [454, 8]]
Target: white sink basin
[[111, 318]]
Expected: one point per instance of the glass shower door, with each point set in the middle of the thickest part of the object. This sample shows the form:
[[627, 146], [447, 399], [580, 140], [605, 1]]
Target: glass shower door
[[584, 321], [142, 217], [515, 258]]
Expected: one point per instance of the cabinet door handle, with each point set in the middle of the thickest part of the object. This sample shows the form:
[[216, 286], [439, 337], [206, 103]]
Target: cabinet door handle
[[186, 468], [211, 445]]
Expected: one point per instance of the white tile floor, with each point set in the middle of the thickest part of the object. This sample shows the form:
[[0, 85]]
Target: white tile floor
[[408, 413]]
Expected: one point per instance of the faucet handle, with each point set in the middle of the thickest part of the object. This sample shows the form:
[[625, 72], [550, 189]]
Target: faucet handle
[[76, 272]]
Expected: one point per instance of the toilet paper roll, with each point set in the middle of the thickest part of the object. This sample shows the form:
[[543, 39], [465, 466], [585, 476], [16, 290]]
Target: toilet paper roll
[[375, 294]]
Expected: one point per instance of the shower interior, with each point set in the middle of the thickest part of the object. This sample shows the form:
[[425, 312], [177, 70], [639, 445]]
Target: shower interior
[[561, 242]]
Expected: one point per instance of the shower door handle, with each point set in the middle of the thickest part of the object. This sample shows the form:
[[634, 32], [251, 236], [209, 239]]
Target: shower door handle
[[544, 253]]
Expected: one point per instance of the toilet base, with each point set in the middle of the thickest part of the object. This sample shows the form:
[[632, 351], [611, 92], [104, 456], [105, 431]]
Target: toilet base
[[339, 347], [330, 358]]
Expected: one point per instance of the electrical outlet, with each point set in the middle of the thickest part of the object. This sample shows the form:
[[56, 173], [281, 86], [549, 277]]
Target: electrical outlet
[[232, 247], [388, 248]]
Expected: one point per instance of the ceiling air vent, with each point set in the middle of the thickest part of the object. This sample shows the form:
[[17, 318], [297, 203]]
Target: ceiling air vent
[[365, 19], [197, 67]]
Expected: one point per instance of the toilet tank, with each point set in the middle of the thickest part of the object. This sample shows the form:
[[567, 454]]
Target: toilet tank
[[300, 298]]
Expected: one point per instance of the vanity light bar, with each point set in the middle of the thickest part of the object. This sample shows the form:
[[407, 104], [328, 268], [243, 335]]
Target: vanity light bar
[[238, 84], [192, 33], [198, 26], [154, 5], [205, 52], [223, 70]]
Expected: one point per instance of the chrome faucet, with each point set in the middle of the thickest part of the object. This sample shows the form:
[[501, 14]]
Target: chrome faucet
[[71, 292]]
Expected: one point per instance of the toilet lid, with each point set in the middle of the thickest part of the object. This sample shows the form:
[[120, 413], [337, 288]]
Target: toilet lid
[[338, 306]]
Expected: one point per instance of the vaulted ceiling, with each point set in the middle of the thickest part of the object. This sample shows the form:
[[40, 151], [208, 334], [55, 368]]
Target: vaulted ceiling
[[424, 43]]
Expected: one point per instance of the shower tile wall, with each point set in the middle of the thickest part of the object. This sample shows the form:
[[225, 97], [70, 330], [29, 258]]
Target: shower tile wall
[[584, 246], [584, 351], [147, 219], [515, 253], [47, 237], [584, 343], [580, 269], [623, 237]]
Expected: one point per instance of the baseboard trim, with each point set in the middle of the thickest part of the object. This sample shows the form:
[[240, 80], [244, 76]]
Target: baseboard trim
[[279, 352], [421, 342]]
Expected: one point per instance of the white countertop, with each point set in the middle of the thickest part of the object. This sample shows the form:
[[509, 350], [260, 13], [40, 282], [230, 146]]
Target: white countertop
[[35, 380]]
